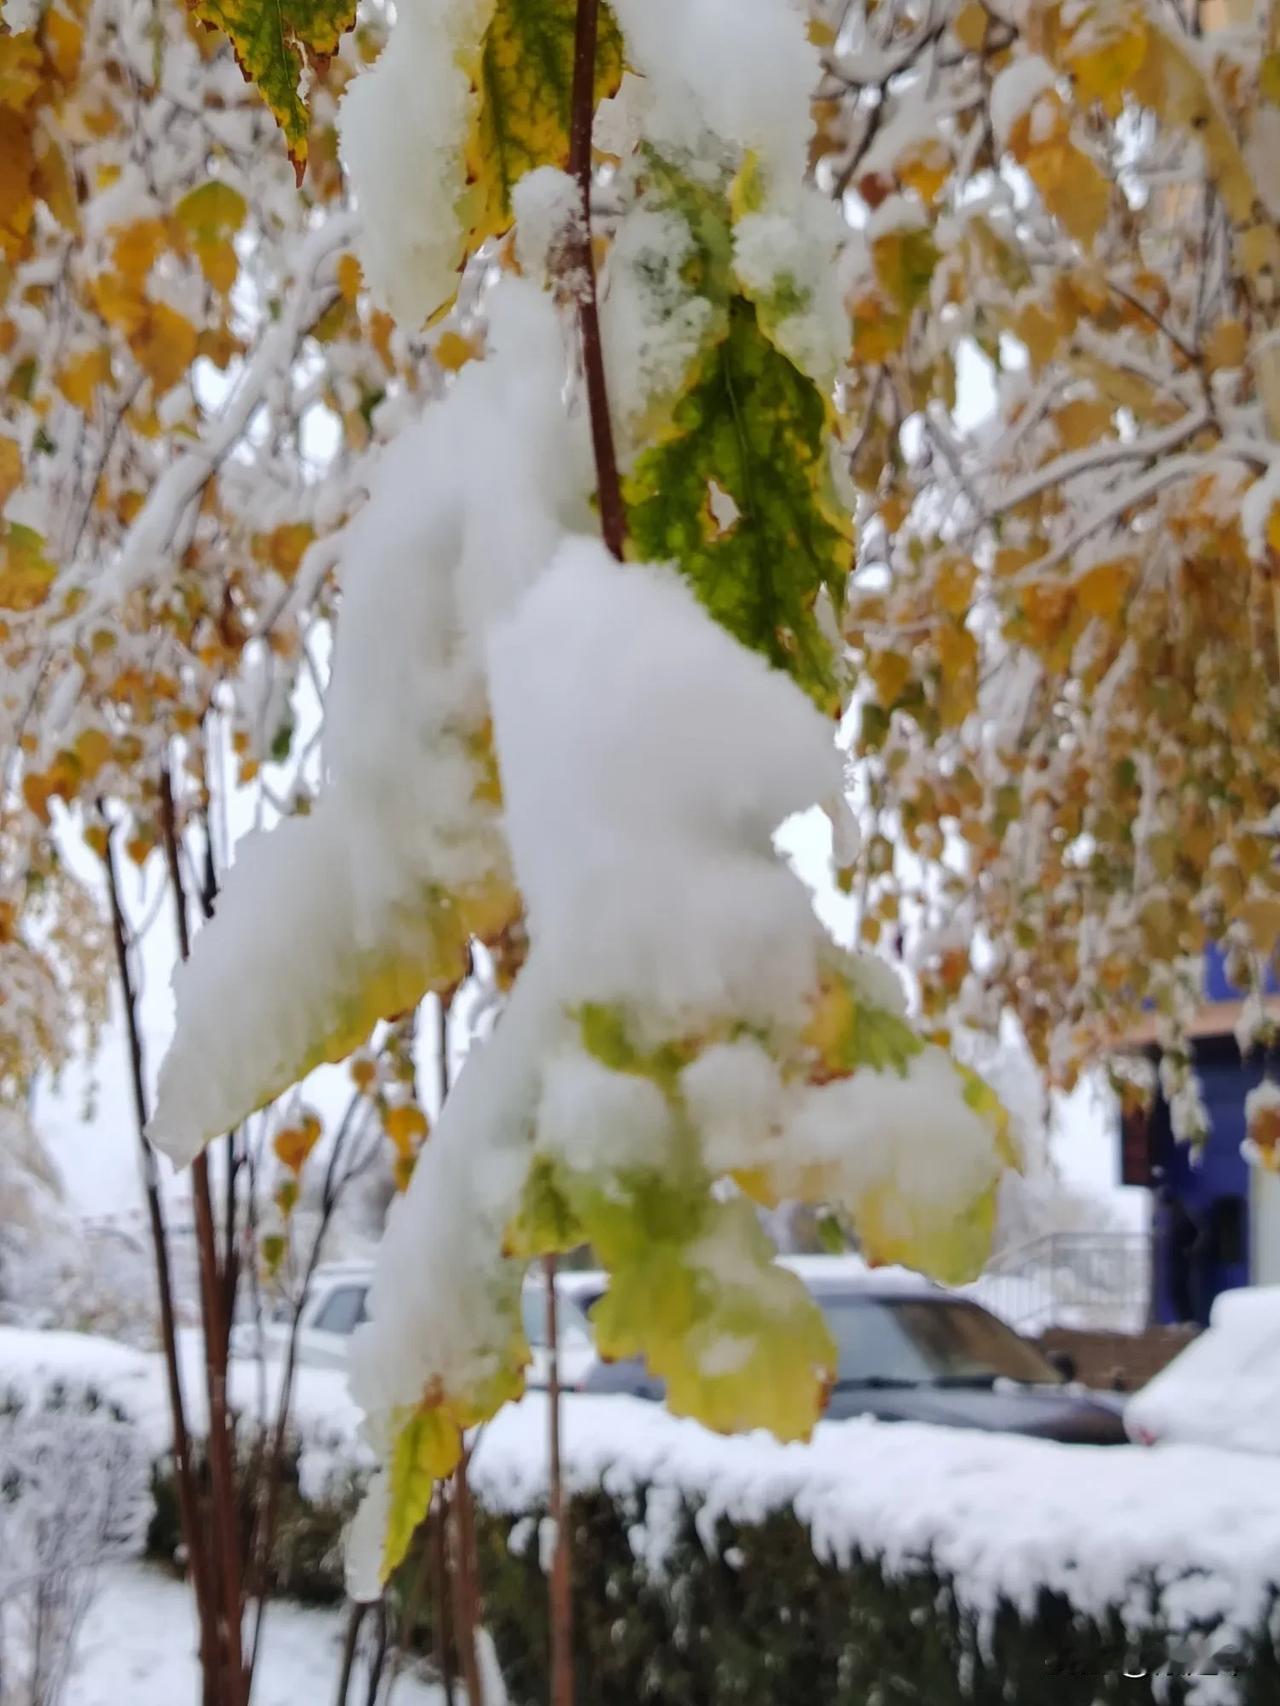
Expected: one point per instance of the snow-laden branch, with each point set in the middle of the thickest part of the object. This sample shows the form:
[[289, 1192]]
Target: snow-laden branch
[[161, 517], [1121, 498], [1113, 453]]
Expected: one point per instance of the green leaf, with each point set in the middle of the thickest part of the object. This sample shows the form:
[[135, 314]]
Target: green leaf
[[524, 81], [755, 431], [426, 1449], [274, 41], [211, 211]]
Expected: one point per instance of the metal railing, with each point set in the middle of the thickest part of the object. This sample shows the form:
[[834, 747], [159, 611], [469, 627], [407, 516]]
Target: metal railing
[[1097, 1280]]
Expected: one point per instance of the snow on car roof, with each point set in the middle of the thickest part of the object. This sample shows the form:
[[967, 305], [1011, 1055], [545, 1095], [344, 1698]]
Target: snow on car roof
[[824, 1274], [1224, 1388], [850, 1272]]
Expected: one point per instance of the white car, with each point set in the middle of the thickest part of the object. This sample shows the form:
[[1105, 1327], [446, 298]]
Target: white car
[[576, 1295], [337, 1302], [335, 1307], [1224, 1389]]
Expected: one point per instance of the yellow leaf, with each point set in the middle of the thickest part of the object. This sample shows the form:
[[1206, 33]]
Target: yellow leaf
[[79, 378], [958, 673], [17, 183], [26, 574], [54, 183], [406, 1126], [1039, 330], [284, 547], [1226, 345], [969, 26], [211, 211], [63, 42], [135, 249], [426, 1449], [164, 344], [20, 63], [1108, 44], [218, 262], [524, 77], [1070, 184], [1173, 86], [10, 468], [350, 278], [293, 1144], [890, 671], [925, 168], [1082, 421], [453, 351], [1102, 590], [92, 749]]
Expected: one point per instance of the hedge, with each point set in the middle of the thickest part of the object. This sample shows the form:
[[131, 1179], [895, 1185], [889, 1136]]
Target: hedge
[[757, 1619], [747, 1614]]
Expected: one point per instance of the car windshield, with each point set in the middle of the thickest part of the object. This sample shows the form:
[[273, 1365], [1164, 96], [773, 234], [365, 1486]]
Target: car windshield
[[927, 1341], [571, 1314]]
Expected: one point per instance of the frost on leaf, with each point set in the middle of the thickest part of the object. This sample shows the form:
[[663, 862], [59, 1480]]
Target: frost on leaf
[[755, 427], [275, 42]]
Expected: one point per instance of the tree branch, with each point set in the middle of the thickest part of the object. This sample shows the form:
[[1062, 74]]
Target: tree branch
[[613, 515], [188, 1509], [222, 1472]]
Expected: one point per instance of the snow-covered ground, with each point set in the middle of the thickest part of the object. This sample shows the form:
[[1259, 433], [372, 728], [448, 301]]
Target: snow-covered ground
[[138, 1649]]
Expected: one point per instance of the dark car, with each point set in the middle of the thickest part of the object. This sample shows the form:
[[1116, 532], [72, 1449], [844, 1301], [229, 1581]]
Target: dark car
[[911, 1352]]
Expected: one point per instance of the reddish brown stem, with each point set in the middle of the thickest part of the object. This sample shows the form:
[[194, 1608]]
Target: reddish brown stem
[[222, 1471], [188, 1511], [613, 515], [561, 1597], [466, 1594], [441, 1621]]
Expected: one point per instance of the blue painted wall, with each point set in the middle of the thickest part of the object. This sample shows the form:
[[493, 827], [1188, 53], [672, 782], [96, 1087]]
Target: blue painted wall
[[1200, 1219]]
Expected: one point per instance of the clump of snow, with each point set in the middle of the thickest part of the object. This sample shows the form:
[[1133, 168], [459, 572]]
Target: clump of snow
[[21, 15], [744, 69], [792, 246], [1255, 510], [896, 213], [548, 209], [402, 127], [641, 840], [1016, 90], [362, 892], [653, 324], [839, 1133], [589, 1117], [1262, 1123]]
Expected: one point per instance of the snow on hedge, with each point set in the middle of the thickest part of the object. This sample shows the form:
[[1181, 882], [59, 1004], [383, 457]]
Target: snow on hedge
[[1001, 1518], [35, 1366]]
